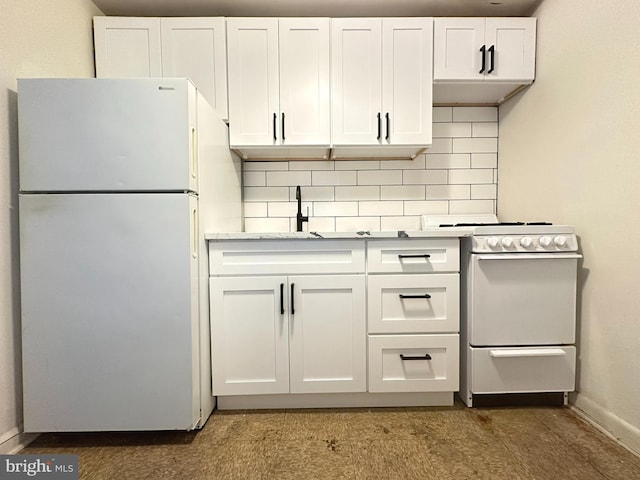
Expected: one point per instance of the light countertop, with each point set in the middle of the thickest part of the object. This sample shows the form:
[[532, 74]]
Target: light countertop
[[440, 232]]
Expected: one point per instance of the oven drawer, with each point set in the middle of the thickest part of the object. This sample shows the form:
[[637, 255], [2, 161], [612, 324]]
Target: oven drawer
[[522, 369], [414, 255], [427, 303], [430, 364]]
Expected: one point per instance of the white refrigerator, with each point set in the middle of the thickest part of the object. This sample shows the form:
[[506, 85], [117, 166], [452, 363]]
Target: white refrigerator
[[119, 181]]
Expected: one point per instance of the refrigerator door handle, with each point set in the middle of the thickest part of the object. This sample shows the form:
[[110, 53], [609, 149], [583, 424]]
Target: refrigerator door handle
[[194, 253], [194, 156]]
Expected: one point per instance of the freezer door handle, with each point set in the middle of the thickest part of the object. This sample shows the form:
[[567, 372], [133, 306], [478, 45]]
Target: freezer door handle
[[194, 154], [528, 352]]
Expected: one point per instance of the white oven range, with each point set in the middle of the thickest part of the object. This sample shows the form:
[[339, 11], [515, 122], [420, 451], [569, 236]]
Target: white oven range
[[518, 308]]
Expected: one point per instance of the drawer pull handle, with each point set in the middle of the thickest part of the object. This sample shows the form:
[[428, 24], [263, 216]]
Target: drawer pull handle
[[426, 356], [424, 295], [524, 352], [293, 308], [282, 299], [418, 255]]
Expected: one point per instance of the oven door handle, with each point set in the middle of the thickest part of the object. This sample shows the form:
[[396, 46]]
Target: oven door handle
[[527, 352], [528, 256]]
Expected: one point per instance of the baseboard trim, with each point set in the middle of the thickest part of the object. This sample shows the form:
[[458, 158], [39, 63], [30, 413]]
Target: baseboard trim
[[15, 440], [611, 425]]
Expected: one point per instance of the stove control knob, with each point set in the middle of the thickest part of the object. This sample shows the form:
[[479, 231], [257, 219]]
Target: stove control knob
[[493, 242], [546, 242], [560, 241], [526, 242], [507, 242]]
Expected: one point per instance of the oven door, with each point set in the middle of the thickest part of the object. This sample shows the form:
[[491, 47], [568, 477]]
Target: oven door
[[522, 299]]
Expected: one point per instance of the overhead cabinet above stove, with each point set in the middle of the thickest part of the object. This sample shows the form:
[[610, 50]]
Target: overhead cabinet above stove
[[482, 60]]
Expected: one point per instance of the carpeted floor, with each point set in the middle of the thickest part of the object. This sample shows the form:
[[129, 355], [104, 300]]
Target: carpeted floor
[[402, 443]]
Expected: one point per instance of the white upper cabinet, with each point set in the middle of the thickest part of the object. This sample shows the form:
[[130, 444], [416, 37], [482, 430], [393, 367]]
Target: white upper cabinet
[[482, 60], [127, 47], [196, 48], [381, 85], [142, 47], [278, 83]]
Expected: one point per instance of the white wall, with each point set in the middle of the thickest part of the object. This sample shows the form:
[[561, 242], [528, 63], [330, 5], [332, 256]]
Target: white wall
[[457, 175], [38, 38], [570, 153]]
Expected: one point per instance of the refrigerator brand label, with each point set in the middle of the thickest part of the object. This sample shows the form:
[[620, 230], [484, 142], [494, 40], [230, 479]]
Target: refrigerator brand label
[[53, 467], [166, 88]]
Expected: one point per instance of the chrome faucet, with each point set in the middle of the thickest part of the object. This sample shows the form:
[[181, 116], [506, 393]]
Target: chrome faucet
[[299, 217]]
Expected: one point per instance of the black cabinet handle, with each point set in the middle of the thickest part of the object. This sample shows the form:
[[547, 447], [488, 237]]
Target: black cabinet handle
[[483, 49], [386, 116], [426, 356], [283, 126], [293, 308], [492, 51], [282, 299], [424, 295], [379, 127], [417, 255], [275, 119]]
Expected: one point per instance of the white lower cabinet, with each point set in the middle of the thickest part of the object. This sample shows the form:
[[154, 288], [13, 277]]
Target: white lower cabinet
[[288, 333]]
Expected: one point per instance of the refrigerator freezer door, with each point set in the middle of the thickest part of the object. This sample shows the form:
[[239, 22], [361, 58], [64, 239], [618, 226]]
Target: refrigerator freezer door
[[107, 135], [109, 312]]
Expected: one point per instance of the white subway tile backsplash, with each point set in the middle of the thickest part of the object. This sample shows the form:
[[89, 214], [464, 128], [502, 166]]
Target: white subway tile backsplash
[[380, 177], [456, 175], [489, 129], [263, 225], [276, 179], [434, 207], [417, 163], [255, 209], [442, 114], [357, 224], [334, 178], [451, 130], [380, 208], [335, 209], [475, 114], [478, 175], [424, 177], [400, 223], [475, 145], [249, 165], [402, 192], [313, 194], [484, 160], [448, 192], [352, 193], [254, 179], [266, 194], [483, 192], [358, 165], [460, 207], [448, 160]]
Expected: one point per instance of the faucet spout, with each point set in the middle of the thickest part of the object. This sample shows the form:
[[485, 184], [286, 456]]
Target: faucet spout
[[299, 217]]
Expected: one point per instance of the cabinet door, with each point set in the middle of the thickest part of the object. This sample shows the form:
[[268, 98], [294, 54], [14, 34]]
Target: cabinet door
[[457, 43], [197, 48], [249, 335], [327, 334], [407, 80], [127, 47], [253, 81], [304, 81], [356, 81], [514, 40]]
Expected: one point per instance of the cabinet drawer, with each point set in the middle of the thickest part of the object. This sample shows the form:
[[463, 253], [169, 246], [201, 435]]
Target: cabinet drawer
[[414, 303], [414, 256], [522, 369], [430, 364], [257, 257]]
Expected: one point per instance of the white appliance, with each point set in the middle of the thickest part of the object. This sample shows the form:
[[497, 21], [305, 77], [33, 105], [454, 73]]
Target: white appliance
[[119, 181], [518, 312]]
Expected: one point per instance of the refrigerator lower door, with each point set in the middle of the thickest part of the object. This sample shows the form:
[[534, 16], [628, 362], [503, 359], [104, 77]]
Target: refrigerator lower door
[[109, 312]]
